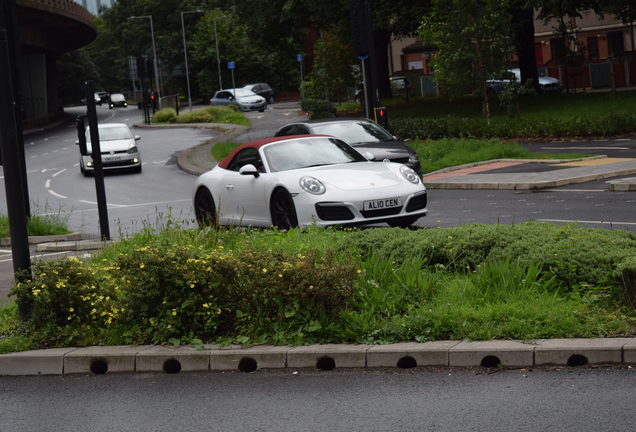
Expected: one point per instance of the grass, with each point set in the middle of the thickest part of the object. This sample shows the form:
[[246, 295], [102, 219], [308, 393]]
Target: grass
[[43, 222], [221, 150], [210, 114], [444, 153]]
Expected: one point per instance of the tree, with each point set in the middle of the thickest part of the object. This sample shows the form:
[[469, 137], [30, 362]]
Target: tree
[[73, 69], [473, 41], [621, 9]]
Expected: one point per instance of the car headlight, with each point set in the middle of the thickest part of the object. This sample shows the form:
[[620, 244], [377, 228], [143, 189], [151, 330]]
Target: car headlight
[[409, 174], [132, 150], [312, 185]]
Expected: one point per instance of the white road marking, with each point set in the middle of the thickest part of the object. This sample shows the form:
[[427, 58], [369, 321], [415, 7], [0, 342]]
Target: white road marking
[[623, 139], [136, 205], [587, 222], [57, 194], [162, 162], [59, 172], [48, 183], [34, 156]]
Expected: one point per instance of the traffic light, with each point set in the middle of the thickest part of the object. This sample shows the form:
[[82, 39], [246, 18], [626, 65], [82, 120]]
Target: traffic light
[[361, 27], [141, 67], [381, 116]]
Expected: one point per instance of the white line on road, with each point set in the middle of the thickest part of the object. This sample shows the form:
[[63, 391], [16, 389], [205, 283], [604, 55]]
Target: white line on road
[[108, 204], [59, 172], [57, 194], [47, 184], [587, 222], [134, 205]]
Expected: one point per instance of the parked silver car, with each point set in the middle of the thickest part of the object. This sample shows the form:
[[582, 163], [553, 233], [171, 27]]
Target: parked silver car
[[246, 100], [118, 146], [547, 84]]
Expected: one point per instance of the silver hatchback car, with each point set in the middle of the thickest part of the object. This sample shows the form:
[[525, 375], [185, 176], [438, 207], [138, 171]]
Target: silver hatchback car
[[118, 146]]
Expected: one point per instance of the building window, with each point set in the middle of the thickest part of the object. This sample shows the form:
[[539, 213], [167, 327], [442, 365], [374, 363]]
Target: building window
[[615, 43], [417, 64], [557, 47], [592, 48]]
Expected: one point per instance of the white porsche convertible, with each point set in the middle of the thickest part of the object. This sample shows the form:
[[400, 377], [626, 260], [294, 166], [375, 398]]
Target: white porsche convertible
[[307, 180]]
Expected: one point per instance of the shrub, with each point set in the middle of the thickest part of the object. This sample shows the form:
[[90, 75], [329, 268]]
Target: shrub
[[214, 114], [625, 275], [507, 128], [574, 256], [318, 108], [165, 115]]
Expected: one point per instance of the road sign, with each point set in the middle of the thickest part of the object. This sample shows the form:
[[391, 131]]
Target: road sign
[[299, 57], [230, 65]]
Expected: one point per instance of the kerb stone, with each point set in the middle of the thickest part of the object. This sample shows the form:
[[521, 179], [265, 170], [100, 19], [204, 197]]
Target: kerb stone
[[509, 353], [38, 362], [353, 356], [116, 358], [191, 360], [559, 351], [266, 357], [424, 354]]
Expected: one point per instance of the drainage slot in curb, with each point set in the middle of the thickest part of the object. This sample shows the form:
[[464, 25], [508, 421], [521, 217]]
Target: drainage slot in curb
[[172, 366], [407, 362], [247, 364], [490, 361], [577, 360], [99, 367], [325, 363]]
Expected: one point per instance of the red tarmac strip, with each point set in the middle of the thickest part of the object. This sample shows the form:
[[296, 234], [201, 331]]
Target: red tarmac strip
[[470, 170]]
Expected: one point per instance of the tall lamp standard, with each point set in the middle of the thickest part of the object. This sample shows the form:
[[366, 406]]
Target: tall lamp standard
[[185, 53], [218, 59], [154, 51]]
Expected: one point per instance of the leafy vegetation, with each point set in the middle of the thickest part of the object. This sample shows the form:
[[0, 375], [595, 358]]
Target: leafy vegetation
[[444, 153], [245, 286], [210, 114], [318, 108], [222, 150], [43, 221]]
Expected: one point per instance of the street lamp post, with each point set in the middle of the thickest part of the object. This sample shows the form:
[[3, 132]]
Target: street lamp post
[[185, 53], [218, 59], [154, 52]]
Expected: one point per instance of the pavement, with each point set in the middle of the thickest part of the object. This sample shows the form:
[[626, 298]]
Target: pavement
[[495, 174]]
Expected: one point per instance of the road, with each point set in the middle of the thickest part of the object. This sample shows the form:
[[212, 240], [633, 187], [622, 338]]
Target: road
[[550, 399]]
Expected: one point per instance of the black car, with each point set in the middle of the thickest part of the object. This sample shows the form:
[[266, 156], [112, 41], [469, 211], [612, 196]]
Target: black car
[[362, 134], [117, 99], [262, 89], [103, 96]]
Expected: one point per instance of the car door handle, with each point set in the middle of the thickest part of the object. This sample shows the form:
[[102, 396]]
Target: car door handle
[[229, 186]]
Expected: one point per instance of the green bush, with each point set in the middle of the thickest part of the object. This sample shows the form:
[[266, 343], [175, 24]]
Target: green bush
[[214, 114], [165, 115], [164, 292], [318, 108], [625, 275], [507, 128], [574, 256]]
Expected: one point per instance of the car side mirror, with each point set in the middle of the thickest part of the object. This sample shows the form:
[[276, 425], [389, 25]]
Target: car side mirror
[[137, 137], [249, 169], [395, 138], [369, 156]]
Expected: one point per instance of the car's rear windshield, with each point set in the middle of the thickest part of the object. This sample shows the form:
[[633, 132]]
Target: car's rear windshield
[[110, 134], [307, 152], [354, 132], [117, 97]]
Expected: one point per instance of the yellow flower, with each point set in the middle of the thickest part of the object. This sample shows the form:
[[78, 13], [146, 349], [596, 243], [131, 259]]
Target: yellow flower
[[72, 310], [169, 326], [174, 313], [191, 285], [218, 311], [280, 275], [359, 271], [205, 305], [141, 266], [69, 318], [264, 270]]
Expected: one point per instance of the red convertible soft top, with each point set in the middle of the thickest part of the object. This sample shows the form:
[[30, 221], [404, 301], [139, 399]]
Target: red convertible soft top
[[259, 143]]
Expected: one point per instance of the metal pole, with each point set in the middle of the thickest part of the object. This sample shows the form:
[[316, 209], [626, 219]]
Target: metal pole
[[96, 155], [13, 176], [185, 54], [302, 80], [218, 59], [366, 97], [154, 53]]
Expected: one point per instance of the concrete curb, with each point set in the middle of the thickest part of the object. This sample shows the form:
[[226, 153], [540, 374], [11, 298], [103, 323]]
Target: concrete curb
[[213, 358], [72, 245], [6, 241]]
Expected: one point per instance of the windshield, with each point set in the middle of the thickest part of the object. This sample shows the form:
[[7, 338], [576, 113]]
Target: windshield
[[110, 134], [241, 92], [307, 152], [354, 132], [117, 97]]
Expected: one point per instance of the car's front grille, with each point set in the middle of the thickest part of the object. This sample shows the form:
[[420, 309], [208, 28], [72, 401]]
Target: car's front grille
[[417, 202], [116, 152], [382, 212], [125, 162], [330, 212]]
